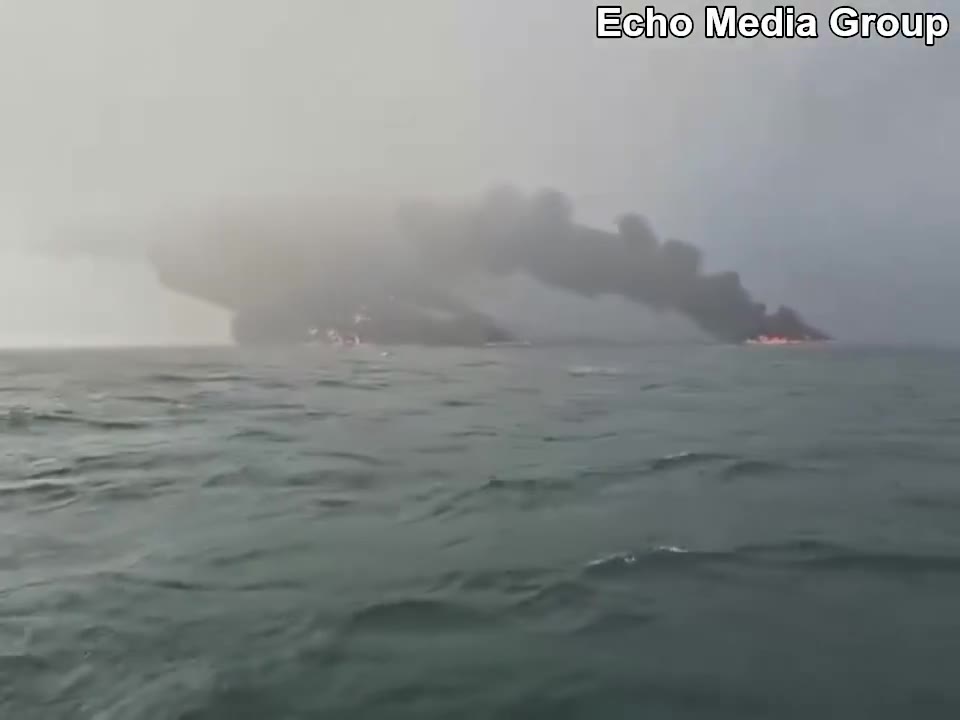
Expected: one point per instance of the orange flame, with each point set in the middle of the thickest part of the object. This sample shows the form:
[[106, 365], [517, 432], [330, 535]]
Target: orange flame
[[776, 340]]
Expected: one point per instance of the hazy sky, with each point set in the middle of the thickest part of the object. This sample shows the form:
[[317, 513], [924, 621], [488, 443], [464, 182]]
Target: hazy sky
[[825, 170]]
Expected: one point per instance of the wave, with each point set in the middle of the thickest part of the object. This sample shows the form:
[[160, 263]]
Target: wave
[[25, 418], [531, 492], [507, 581], [475, 432], [154, 400], [685, 459], [334, 503], [414, 615], [256, 554], [580, 438], [41, 488], [139, 492], [795, 555], [753, 468], [561, 594], [141, 460], [349, 480], [50, 472], [594, 371], [360, 458], [175, 378], [445, 449], [262, 434], [458, 403], [521, 493], [196, 586], [352, 384], [729, 467], [331, 383], [663, 558]]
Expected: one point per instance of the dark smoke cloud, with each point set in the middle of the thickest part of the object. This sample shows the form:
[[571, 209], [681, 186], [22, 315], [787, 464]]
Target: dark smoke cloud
[[509, 232], [282, 277]]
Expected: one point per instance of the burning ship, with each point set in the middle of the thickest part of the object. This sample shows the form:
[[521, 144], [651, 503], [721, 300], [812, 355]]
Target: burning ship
[[294, 277]]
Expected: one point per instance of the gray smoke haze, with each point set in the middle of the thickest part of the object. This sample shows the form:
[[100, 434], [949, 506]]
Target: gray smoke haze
[[284, 272], [537, 236], [825, 172]]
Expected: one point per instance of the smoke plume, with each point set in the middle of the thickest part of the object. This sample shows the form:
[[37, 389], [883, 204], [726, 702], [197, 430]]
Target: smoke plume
[[283, 277], [508, 232]]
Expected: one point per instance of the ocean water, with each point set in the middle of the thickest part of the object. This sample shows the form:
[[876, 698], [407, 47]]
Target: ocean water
[[652, 532]]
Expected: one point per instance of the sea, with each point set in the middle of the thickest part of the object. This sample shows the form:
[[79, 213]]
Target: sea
[[663, 531]]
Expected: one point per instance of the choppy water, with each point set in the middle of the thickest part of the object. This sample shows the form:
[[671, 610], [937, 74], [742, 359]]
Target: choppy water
[[699, 532]]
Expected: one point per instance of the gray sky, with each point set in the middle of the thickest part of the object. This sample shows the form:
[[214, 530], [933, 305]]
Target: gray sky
[[825, 170]]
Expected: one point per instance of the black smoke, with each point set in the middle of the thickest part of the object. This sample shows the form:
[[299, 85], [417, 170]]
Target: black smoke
[[510, 232], [284, 275]]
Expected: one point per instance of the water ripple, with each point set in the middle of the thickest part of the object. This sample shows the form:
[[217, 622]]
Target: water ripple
[[204, 534]]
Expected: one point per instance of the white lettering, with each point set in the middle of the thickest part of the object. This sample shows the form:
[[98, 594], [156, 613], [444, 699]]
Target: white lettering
[[888, 26], [633, 25], [611, 23], [912, 27], [938, 25], [783, 22], [660, 23], [748, 26], [681, 25], [721, 26], [608, 22], [844, 22], [867, 20], [847, 22], [807, 26]]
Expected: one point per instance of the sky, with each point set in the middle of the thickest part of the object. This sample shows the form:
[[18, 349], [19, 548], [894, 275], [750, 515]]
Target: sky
[[826, 171]]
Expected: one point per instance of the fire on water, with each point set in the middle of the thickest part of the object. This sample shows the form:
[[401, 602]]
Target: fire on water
[[778, 340]]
